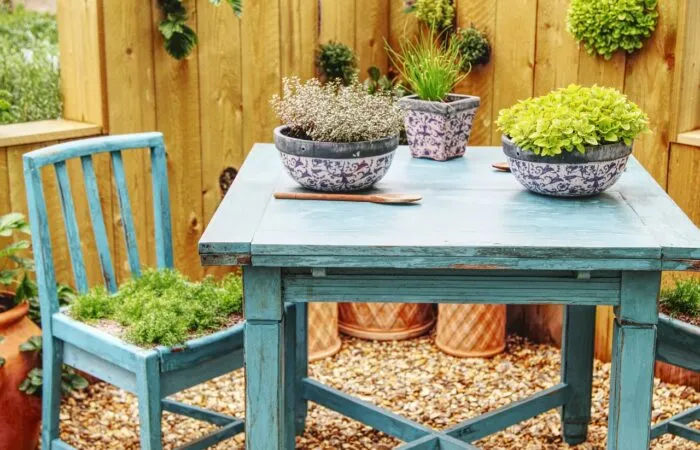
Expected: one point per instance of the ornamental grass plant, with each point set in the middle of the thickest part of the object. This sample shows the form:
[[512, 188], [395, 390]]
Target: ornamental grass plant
[[683, 299], [572, 119], [333, 112], [162, 307]]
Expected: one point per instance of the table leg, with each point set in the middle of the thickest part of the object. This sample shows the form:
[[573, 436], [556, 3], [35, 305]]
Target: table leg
[[577, 371], [265, 421], [632, 373]]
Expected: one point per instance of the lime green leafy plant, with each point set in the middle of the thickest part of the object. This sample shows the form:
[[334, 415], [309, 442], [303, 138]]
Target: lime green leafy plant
[[474, 47], [437, 14], [684, 298], [430, 68], [337, 61], [162, 307], [572, 118], [605, 26]]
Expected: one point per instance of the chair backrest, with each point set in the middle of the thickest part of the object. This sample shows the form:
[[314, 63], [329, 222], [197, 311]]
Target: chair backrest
[[57, 156]]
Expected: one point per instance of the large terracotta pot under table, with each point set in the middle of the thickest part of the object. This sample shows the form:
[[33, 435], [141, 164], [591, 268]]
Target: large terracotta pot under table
[[471, 331], [20, 414], [324, 339], [386, 321]]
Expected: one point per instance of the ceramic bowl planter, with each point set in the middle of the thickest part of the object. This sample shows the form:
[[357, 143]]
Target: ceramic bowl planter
[[439, 130], [569, 174], [335, 166], [20, 414]]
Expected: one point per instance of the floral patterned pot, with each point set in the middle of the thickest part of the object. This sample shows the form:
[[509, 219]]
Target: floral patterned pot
[[439, 130], [335, 166], [571, 174]]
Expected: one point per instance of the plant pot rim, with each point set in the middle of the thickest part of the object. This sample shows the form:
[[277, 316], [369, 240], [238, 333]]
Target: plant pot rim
[[460, 102], [13, 314], [333, 150], [594, 153]]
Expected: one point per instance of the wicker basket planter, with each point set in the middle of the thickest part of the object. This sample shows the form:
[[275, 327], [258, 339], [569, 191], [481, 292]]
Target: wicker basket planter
[[386, 321], [324, 339], [471, 331]]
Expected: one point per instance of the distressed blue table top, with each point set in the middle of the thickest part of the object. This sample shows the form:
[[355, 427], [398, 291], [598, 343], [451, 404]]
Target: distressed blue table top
[[471, 216]]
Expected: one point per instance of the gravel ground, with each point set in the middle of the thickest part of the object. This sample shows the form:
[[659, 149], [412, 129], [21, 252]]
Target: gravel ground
[[412, 378]]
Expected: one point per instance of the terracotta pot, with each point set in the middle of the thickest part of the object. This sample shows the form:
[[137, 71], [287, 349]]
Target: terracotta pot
[[471, 331], [324, 339], [20, 414], [386, 321]]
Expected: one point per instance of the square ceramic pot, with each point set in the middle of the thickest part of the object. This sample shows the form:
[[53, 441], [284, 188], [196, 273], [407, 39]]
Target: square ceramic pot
[[439, 130]]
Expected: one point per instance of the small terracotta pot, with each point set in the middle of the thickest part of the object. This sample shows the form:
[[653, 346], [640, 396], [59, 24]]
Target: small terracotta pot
[[386, 321], [20, 414], [324, 339], [471, 331], [439, 130]]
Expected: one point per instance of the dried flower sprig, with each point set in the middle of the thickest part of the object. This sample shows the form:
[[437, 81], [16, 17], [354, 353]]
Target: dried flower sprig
[[336, 113]]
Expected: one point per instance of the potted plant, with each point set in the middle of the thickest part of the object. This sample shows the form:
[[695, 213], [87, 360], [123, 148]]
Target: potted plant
[[678, 338], [438, 122], [572, 142], [335, 138]]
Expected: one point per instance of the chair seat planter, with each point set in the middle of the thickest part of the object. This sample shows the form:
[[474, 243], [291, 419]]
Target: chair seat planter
[[678, 343]]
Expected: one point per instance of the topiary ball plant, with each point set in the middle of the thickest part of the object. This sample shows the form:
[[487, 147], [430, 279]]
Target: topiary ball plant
[[474, 47], [437, 14], [605, 26], [337, 61]]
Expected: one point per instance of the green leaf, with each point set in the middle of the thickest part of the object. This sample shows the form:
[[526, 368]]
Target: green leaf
[[2, 361], [237, 6], [374, 73], [79, 383], [24, 385], [180, 45], [33, 344], [168, 28]]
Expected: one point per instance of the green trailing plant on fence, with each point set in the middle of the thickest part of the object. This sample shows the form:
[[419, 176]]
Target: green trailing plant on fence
[[337, 61], [430, 69], [436, 14], [162, 307], [572, 118], [605, 26], [474, 47], [29, 73], [179, 39], [683, 298]]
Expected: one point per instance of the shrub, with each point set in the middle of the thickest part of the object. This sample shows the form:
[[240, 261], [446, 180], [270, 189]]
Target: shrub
[[336, 113], [571, 118], [337, 61], [437, 14], [474, 48], [684, 298], [605, 26], [161, 307], [431, 69], [29, 77]]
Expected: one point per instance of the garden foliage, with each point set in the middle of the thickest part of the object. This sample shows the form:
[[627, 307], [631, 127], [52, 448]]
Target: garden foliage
[[684, 298], [572, 118], [437, 14], [474, 48], [29, 74], [337, 61]]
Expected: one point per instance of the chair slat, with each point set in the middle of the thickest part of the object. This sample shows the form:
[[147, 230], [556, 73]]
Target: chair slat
[[71, 224], [98, 223], [161, 207], [127, 218]]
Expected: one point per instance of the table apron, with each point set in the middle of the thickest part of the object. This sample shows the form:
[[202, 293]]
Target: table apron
[[409, 288]]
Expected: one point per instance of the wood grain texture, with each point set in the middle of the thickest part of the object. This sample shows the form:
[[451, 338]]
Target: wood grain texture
[[685, 99], [683, 179], [402, 25], [298, 37], [557, 56], [480, 82], [42, 131], [371, 29], [337, 22]]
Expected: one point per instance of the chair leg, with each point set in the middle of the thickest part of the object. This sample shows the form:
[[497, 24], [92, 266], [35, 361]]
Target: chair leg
[[150, 410], [52, 360], [302, 364]]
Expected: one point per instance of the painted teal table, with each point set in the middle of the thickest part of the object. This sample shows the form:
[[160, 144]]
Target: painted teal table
[[477, 237]]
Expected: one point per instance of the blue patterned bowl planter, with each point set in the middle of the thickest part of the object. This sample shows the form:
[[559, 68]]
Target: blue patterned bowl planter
[[570, 174], [439, 130], [335, 166]]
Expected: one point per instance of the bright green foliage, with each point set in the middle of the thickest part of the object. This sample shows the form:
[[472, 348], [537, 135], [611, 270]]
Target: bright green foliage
[[378, 83], [14, 263], [605, 26], [684, 298], [437, 14], [179, 39], [29, 78], [572, 118], [162, 307], [337, 62], [431, 69], [31, 385], [474, 48]]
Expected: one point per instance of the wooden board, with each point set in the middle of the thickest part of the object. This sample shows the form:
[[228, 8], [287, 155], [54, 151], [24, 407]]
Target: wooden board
[[684, 179], [337, 22], [372, 28], [42, 131], [685, 101], [299, 37], [557, 57]]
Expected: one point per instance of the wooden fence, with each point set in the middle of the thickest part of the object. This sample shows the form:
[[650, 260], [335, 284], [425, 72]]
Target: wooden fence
[[214, 105]]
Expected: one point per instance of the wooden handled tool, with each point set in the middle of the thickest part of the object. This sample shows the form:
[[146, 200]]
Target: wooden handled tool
[[374, 198]]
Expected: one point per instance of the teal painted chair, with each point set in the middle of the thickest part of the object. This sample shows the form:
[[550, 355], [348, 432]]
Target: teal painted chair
[[151, 374], [678, 343]]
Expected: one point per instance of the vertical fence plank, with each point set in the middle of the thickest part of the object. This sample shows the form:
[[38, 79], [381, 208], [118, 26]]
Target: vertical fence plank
[[596, 70], [337, 20], [684, 179], [128, 30], [556, 61], [298, 37], [685, 98], [5, 204], [401, 24], [260, 42], [482, 14], [177, 117], [513, 59], [649, 83], [371, 29]]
